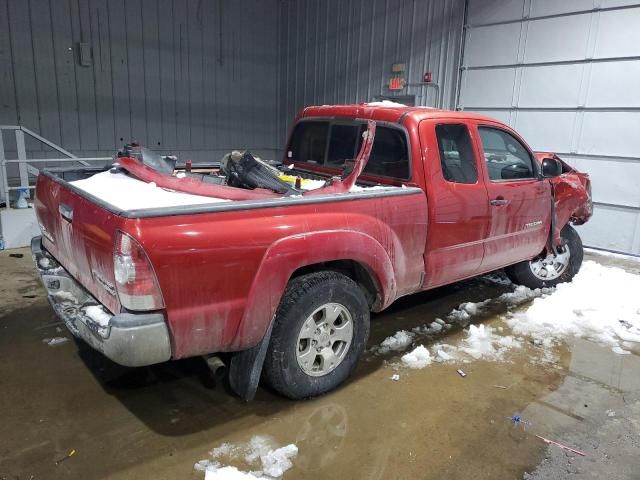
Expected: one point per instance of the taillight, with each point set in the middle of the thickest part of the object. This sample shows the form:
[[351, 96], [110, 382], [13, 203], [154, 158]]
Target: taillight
[[136, 281]]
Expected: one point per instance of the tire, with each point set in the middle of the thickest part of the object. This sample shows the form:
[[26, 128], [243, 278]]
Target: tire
[[311, 301], [523, 273]]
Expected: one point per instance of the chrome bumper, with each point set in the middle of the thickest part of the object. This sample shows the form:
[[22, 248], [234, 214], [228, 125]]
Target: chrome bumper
[[130, 339]]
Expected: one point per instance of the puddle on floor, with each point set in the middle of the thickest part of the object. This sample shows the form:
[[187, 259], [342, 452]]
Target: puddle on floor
[[157, 422]]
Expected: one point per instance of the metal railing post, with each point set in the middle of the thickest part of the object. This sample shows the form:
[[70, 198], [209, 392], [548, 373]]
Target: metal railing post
[[4, 179], [22, 156]]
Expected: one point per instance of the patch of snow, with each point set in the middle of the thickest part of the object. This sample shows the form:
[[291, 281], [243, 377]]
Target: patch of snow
[[224, 449], [128, 193], [600, 304], [56, 341], [620, 351], [523, 294], [311, 184], [399, 341], [65, 296], [260, 452], [386, 103], [228, 473], [98, 315], [276, 462], [257, 447], [482, 343], [419, 357], [443, 356], [435, 327]]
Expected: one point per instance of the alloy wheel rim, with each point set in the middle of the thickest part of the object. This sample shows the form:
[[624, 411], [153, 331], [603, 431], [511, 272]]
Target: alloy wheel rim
[[324, 339], [552, 266]]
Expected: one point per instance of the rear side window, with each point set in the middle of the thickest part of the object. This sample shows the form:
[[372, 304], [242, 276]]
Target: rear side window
[[333, 143], [389, 155], [309, 142], [456, 154], [506, 157]]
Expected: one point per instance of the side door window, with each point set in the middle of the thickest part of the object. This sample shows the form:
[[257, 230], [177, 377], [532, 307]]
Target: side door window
[[505, 156], [456, 153]]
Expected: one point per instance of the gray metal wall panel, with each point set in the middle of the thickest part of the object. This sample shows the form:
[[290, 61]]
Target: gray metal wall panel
[[568, 83], [541, 8], [492, 45], [611, 83], [485, 11], [617, 178], [8, 111], [198, 77], [341, 51], [618, 33]]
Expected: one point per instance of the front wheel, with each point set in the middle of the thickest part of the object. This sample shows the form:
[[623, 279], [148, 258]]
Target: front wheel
[[547, 269], [320, 330]]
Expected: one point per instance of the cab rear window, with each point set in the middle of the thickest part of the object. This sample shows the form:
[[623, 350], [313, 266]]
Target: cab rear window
[[332, 143]]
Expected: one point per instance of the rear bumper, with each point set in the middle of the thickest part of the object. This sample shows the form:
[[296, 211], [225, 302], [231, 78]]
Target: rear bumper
[[132, 340]]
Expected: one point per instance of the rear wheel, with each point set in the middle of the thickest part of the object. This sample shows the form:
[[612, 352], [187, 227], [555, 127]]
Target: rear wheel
[[548, 269], [320, 330]]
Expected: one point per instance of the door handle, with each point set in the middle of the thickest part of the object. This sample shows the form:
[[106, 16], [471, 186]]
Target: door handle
[[66, 212], [496, 202]]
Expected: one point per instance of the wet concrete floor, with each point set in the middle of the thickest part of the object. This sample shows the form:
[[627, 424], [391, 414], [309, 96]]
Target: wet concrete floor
[[157, 422]]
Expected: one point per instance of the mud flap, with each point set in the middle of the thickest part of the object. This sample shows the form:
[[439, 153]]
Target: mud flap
[[246, 366]]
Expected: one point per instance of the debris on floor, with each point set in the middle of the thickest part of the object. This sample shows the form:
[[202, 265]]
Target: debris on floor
[[71, 453], [261, 455], [461, 373], [564, 447], [16, 255], [395, 377], [55, 341], [518, 420]]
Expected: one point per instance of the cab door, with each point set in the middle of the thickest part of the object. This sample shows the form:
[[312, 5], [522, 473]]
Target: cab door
[[458, 203], [519, 200]]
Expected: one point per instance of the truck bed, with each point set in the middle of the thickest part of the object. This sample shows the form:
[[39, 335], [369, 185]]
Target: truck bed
[[222, 266]]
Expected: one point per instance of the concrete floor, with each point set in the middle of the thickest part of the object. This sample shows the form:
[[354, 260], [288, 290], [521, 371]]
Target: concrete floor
[[157, 422]]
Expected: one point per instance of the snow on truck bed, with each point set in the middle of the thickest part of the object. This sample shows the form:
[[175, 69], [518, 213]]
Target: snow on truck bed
[[127, 193]]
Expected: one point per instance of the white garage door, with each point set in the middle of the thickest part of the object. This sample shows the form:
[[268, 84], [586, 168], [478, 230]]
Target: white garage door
[[566, 75]]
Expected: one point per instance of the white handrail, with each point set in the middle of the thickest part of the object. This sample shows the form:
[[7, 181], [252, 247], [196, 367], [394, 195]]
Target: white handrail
[[23, 162]]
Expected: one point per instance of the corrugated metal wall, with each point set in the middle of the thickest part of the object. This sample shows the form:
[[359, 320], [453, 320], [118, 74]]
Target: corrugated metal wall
[[341, 51], [566, 75], [192, 77]]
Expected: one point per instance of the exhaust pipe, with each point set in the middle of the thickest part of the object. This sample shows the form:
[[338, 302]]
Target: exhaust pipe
[[217, 367]]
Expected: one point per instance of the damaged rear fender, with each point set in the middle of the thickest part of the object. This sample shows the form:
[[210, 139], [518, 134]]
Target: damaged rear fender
[[292, 253]]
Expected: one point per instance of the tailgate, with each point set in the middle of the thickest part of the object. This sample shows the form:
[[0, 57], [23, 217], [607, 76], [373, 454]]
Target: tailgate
[[80, 235]]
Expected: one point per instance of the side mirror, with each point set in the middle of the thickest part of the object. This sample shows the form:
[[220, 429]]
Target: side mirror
[[551, 168]]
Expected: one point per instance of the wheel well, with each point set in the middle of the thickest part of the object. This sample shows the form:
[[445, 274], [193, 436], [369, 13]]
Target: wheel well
[[356, 271]]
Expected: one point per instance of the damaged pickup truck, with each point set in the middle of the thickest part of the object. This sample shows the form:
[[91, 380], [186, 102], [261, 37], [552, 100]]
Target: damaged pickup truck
[[279, 264]]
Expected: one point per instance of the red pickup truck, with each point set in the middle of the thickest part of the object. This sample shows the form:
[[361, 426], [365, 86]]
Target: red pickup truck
[[280, 266]]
